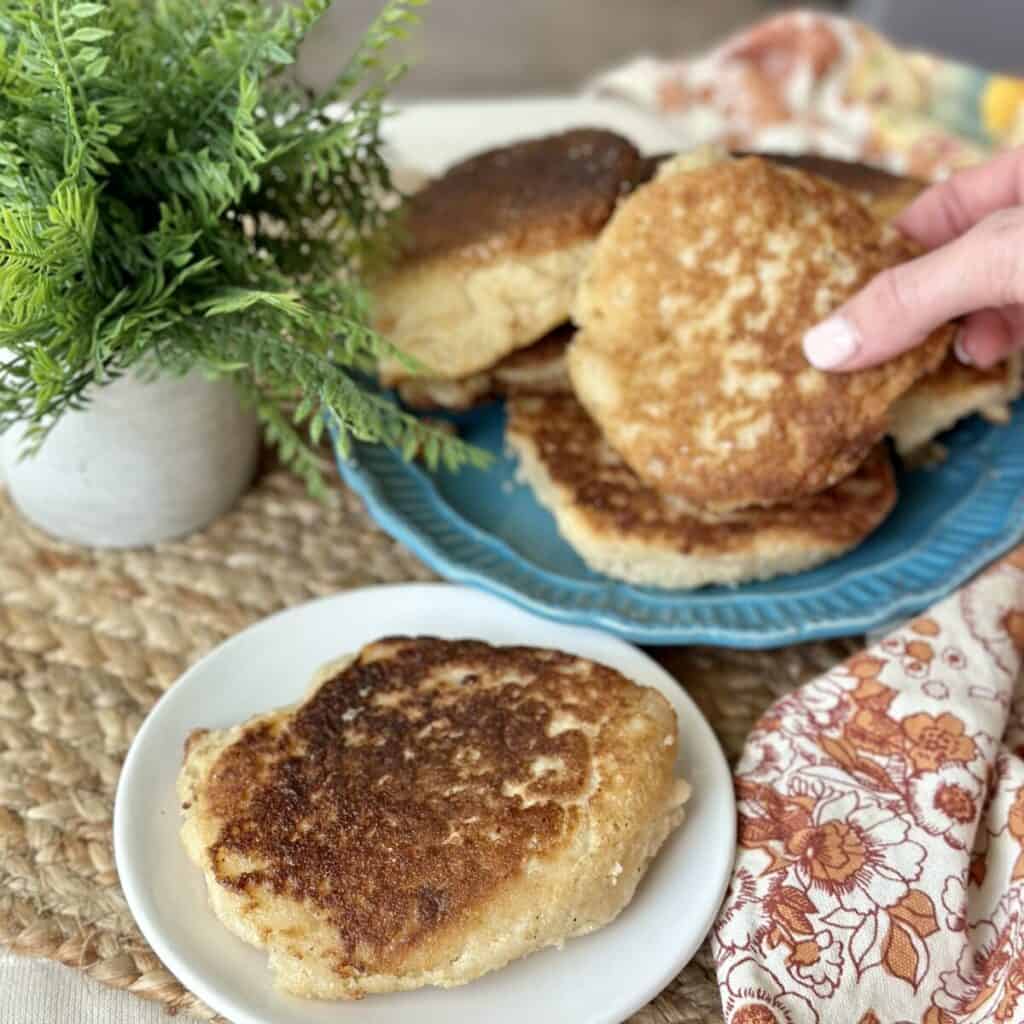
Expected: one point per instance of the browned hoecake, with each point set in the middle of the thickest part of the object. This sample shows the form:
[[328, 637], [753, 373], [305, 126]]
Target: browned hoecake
[[535, 195], [384, 801], [691, 315], [617, 503]]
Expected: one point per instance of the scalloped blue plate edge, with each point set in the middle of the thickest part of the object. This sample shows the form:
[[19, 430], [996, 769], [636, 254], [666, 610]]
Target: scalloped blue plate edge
[[365, 486]]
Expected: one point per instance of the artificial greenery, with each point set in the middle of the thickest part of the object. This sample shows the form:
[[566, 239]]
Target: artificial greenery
[[170, 198]]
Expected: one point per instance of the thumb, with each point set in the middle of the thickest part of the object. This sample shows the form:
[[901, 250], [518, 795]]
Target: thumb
[[898, 309]]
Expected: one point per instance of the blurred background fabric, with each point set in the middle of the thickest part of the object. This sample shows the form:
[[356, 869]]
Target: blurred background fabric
[[481, 48]]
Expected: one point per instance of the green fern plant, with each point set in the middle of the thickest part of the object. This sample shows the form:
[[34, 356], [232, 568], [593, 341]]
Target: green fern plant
[[170, 199]]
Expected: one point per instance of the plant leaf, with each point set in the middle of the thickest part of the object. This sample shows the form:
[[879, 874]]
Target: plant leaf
[[90, 34]]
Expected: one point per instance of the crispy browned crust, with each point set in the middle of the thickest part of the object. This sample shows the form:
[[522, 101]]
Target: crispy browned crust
[[529, 196], [692, 314], [647, 167], [403, 794], [615, 503]]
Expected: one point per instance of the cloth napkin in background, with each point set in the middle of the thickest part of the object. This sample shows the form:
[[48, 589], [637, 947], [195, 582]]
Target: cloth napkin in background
[[805, 82], [880, 871]]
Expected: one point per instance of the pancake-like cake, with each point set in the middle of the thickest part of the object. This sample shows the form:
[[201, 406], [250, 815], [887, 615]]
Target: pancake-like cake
[[626, 529], [940, 400], [495, 249], [537, 370], [691, 316], [432, 810]]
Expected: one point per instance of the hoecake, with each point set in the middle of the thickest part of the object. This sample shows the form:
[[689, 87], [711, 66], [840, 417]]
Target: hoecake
[[495, 249], [623, 528], [692, 312], [538, 369], [432, 810], [952, 393]]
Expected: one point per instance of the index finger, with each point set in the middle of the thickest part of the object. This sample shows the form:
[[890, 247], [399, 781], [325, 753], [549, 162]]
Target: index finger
[[947, 210]]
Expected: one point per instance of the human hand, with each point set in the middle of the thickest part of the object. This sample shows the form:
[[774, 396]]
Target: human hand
[[973, 225]]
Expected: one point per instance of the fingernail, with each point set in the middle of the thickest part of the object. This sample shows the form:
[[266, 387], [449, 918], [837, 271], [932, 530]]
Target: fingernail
[[831, 343], [960, 349]]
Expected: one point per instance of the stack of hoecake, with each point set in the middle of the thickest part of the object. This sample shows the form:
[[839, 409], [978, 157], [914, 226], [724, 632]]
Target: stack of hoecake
[[643, 320]]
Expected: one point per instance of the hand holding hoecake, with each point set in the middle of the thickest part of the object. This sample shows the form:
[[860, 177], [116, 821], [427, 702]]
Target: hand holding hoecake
[[974, 226]]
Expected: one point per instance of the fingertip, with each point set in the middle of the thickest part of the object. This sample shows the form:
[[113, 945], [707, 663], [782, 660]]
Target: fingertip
[[831, 344], [960, 349], [984, 339], [901, 306]]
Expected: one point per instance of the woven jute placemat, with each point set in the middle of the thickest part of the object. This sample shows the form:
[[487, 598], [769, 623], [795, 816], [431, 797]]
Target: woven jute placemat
[[90, 639]]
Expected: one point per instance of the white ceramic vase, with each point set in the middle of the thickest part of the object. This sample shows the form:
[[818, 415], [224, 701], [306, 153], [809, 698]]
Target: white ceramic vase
[[145, 461]]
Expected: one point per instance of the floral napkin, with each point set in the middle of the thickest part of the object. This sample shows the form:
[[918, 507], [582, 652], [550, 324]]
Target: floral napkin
[[804, 82], [880, 872]]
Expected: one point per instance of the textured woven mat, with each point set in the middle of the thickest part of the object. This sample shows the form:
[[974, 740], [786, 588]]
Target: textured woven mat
[[88, 642]]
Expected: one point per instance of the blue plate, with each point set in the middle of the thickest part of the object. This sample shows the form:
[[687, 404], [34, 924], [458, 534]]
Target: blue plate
[[485, 529]]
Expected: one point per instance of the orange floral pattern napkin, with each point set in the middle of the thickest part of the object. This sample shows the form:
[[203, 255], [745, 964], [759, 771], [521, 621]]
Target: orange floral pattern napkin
[[880, 871], [811, 82]]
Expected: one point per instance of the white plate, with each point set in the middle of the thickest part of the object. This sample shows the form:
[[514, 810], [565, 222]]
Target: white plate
[[603, 977]]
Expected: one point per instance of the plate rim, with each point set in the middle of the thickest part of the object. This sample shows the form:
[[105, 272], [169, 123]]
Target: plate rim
[[193, 979], [366, 484]]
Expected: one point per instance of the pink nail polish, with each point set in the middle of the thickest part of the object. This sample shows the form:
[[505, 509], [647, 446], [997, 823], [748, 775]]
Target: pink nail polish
[[831, 343], [960, 349]]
